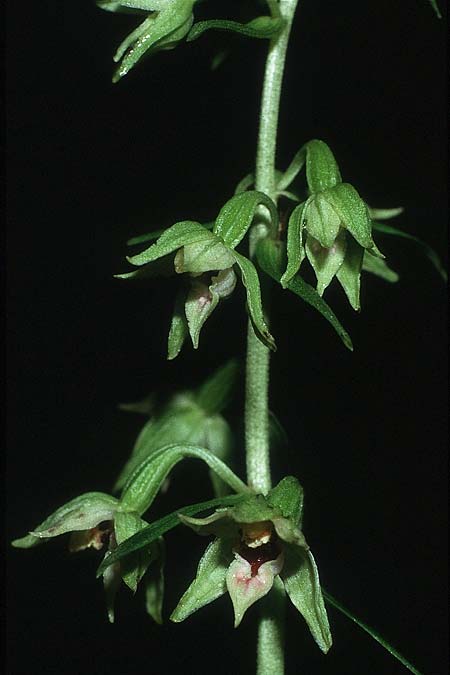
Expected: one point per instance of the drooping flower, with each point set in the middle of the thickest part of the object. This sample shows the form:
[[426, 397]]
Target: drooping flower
[[256, 542]]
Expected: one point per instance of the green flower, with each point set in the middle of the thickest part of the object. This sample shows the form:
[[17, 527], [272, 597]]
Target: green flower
[[210, 265], [258, 543], [95, 520]]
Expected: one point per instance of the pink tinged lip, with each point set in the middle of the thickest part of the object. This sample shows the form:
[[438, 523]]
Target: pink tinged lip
[[246, 587]]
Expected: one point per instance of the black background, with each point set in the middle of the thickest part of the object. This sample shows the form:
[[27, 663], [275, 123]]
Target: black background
[[90, 164]]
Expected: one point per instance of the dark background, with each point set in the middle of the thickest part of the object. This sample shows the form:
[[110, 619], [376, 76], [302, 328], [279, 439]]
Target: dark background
[[90, 164]]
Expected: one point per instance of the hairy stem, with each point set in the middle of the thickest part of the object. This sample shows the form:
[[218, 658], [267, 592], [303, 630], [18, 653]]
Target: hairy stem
[[270, 650]]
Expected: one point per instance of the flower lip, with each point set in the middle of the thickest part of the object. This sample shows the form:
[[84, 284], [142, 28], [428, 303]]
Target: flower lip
[[269, 549]]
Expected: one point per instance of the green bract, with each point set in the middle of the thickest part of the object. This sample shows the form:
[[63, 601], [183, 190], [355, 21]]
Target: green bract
[[210, 263], [256, 541], [168, 23]]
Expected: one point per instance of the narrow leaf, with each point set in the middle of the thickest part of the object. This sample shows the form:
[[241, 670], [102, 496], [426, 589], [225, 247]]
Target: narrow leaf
[[158, 528], [263, 27], [270, 259], [428, 250], [154, 587], [435, 6], [254, 304], [370, 631], [209, 583]]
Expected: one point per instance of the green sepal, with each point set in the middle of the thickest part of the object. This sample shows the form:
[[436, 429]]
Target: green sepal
[[427, 249], [154, 584], [236, 216], [155, 530], [144, 483], [209, 583], [162, 29], [287, 497], [82, 513], [326, 262], [378, 267], [203, 256], [178, 235], [349, 273], [353, 214], [301, 581], [322, 171], [262, 27], [126, 524], [254, 304], [178, 331], [270, 258], [215, 392], [295, 246]]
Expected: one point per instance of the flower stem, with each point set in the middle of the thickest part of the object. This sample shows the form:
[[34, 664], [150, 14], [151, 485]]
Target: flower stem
[[270, 650]]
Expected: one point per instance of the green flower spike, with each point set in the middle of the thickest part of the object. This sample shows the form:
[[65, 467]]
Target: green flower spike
[[332, 228], [210, 263], [258, 541], [94, 520]]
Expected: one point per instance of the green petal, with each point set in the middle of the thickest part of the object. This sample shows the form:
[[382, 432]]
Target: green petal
[[200, 304], [209, 583], [349, 273], [82, 513], [301, 581], [326, 262]]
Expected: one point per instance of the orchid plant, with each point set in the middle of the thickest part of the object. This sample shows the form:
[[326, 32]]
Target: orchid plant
[[257, 546]]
